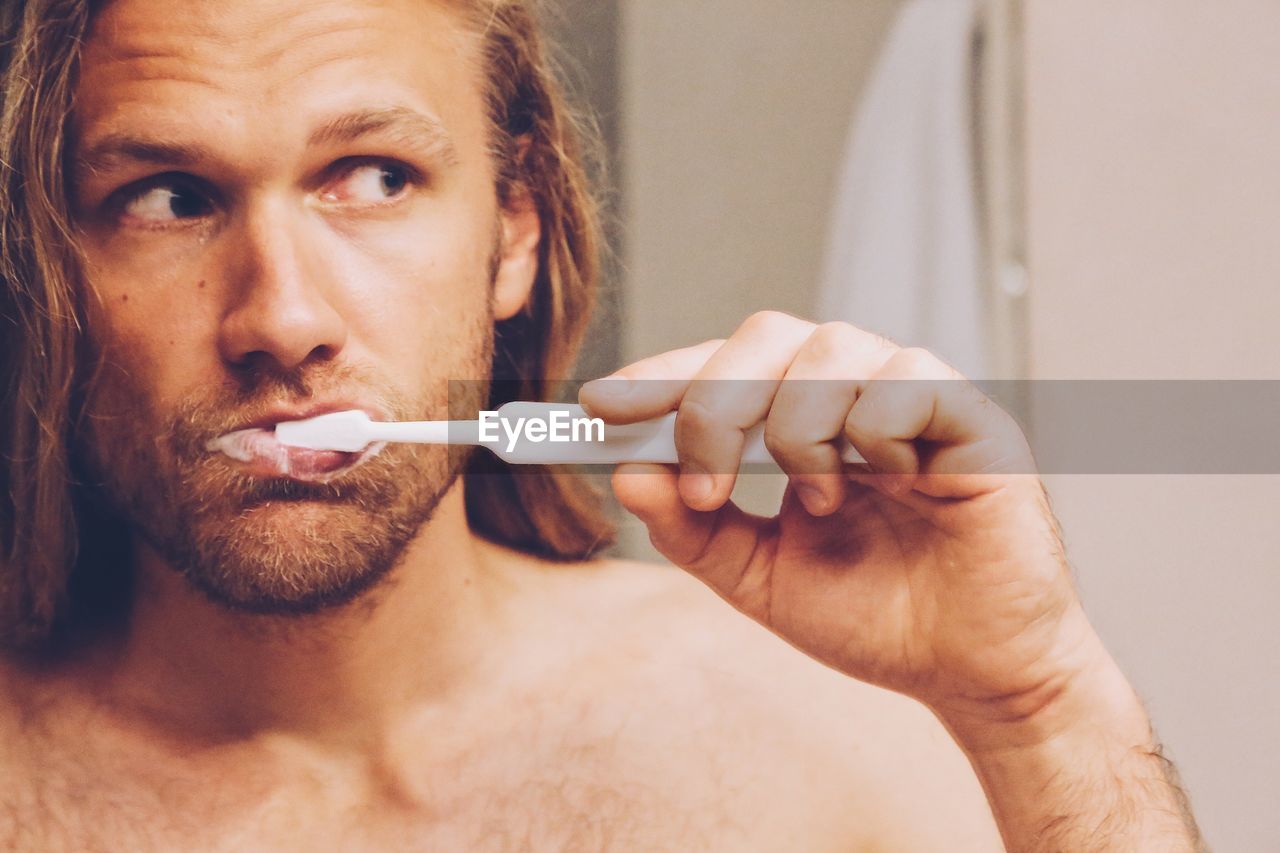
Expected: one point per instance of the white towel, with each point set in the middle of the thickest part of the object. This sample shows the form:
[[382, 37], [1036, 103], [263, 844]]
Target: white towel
[[904, 257]]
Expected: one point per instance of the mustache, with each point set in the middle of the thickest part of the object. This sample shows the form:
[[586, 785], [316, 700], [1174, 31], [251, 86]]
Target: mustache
[[115, 394], [222, 408]]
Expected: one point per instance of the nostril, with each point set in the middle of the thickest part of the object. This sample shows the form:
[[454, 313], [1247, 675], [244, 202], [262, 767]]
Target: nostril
[[323, 352]]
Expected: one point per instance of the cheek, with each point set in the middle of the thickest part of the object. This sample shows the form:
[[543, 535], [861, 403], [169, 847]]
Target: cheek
[[146, 279], [416, 288], [153, 319], [153, 360]]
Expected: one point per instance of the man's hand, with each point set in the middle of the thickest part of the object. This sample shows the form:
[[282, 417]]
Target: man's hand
[[919, 574], [935, 570]]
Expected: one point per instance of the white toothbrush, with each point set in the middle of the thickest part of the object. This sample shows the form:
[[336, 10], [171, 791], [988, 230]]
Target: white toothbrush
[[516, 441]]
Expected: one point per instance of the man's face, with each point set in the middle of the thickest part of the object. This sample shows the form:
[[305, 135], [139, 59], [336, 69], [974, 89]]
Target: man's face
[[284, 206]]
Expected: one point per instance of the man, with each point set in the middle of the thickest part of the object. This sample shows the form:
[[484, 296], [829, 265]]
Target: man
[[222, 216]]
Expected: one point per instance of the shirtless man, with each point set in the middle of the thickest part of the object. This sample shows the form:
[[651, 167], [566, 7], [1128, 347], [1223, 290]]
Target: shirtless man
[[264, 209]]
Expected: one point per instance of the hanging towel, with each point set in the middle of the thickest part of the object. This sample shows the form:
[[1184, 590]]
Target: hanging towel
[[904, 256]]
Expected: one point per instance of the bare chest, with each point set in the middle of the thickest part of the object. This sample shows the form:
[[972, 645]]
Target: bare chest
[[592, 786], [560, 814]]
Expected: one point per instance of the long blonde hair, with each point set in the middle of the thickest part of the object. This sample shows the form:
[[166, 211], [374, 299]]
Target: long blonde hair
[[47, 527]]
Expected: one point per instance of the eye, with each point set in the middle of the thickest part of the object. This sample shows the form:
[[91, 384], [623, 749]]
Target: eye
[[368, 182], [164, 200]]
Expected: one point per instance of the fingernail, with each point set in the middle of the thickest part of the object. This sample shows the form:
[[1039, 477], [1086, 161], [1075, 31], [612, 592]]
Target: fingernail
[[812, 497]]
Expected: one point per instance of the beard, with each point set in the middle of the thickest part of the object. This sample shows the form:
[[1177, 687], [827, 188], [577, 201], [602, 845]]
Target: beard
[[269, 545]]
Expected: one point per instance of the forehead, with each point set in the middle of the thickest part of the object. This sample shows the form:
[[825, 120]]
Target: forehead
[[264, 70]]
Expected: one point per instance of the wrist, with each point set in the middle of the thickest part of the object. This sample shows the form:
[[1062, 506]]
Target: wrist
[[1092, 705], [1086, 760]]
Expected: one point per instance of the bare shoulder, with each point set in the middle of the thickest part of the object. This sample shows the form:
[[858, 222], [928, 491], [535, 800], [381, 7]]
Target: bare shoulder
[[865, 759], [14, 765], [20, 695], [12, 701]]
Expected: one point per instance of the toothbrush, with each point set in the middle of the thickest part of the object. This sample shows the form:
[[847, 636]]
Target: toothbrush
[[522, 433]]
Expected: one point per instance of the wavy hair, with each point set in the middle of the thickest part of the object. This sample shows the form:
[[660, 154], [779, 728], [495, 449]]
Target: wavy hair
[[52, 545]]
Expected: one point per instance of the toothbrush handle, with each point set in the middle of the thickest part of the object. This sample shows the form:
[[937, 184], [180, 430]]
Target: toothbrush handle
[[423, 432], [645, 441]]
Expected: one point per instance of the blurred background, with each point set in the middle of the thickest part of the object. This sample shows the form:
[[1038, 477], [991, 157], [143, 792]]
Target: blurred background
[[1033, 189]]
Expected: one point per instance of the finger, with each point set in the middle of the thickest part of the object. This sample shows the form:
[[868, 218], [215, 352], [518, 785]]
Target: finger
[[919, 416], [730, 394], [721, 548], [892, 412], [648, 388], [810, 407]]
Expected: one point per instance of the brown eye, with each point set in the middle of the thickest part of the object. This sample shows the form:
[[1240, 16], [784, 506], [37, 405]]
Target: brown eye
[[165, 202], [369, 183]]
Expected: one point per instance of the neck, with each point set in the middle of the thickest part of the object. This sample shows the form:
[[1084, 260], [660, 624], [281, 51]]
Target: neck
[[417, 637]]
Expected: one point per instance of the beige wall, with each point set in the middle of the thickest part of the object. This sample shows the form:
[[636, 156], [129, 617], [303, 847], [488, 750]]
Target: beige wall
[[1155, 187], [1154, 205], [1154, 215], [735, 118]]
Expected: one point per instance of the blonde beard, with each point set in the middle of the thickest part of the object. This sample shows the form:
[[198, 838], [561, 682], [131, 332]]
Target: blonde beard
[[270, 546]]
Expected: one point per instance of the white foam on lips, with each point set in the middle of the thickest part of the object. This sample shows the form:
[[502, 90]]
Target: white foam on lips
[[248, 445], [234, 444]]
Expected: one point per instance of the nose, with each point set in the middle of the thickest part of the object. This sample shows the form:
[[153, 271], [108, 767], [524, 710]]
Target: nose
[[282, 307]]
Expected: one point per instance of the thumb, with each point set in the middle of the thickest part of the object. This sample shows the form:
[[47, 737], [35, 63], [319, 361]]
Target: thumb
[[723, 548]]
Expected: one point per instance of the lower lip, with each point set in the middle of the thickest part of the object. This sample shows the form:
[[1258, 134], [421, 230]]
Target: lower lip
[[261, 455]]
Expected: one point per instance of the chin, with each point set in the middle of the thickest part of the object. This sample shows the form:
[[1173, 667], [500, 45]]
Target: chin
[[294, 554], [290, 558], [298, 520]]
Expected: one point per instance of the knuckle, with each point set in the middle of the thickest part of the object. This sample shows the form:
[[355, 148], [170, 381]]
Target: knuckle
[[836, 330], [832, 340], [767, 321], [915, 361]]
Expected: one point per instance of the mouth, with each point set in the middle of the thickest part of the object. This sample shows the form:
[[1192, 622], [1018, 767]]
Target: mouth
[[256, 450]]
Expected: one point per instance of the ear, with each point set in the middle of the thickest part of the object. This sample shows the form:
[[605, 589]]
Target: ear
[[518, 255]]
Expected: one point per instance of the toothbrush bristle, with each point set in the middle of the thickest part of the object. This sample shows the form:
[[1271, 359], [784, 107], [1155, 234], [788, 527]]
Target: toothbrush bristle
[[343, 431]]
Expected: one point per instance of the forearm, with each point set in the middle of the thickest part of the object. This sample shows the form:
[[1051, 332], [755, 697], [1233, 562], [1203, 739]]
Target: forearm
[[1086, 774]]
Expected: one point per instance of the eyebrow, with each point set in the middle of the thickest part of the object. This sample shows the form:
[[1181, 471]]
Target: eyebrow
[[115, 149], [398, 124]]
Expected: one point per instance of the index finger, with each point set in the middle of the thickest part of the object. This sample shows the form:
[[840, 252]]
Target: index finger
[[648, 388]]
